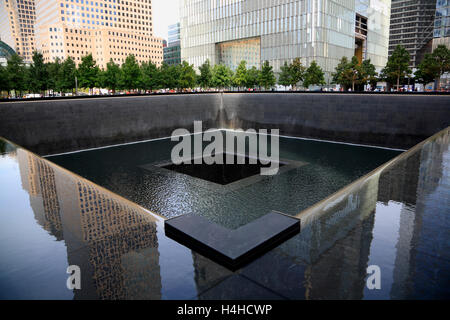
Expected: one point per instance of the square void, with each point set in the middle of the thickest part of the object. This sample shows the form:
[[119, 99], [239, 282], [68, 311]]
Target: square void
[[220, 173]]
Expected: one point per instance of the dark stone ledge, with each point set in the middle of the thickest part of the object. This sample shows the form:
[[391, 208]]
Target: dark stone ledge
[[232, 248]]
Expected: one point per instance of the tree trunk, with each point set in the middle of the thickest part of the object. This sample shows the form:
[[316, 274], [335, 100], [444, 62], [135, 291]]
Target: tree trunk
[[398, 83]]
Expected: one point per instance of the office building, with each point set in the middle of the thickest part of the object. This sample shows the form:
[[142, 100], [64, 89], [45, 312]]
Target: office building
[[282, 30], [441, 33], [412, 27], [17, 20], [109, 29], [172, 52]]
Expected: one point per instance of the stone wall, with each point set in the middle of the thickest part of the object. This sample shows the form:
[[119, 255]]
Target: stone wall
[[53, 126]]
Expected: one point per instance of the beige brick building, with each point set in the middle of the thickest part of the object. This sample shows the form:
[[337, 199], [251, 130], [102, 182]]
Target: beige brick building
[[17, 20], [109, 29]]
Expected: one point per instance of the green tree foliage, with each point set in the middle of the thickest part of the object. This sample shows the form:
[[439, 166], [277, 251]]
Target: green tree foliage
[[149, 76], [16, 70], [240, 77], [428, 70], [314, 75], [67, 74], [54, 73], [285, 78], [353, 72], [4, 81], [37, 74], [442, 57], [338, 75], [252, 77], [205, 77], [112, 76], [297, 71], [131, 73], [222, 76], [266, 76], [187, 76], [88, 72], [397, 67], [368, 73], [169, 76]]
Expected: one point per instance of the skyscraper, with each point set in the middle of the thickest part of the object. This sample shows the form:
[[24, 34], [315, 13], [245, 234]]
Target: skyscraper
[[172, 53], [109, 29], [441, 34], [17, 19], [281, 30], [412, 27]]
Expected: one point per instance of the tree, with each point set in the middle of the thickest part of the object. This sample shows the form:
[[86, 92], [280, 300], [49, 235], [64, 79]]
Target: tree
[[368, 73], [338, 75], [314, 75], [222, 76], [88, 72], [352, 73], [285, 78], [240, 77], [397, 67], [442, 56], [149, 76], [67, 75], [54, 73], [169, 76], [266, 76], [187, 75], [112, 76], [205, 78], [252, 77], [4, 81], [131, 73], [297, 71], [37, 74], [15, 71], [427, 70]]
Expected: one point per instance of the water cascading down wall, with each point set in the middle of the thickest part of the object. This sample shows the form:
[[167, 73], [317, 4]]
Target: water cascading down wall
[[54, 126]]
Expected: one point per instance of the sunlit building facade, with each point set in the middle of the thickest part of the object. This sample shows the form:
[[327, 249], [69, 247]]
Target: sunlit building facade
[[282, 30], [109, 29], [17, 19]]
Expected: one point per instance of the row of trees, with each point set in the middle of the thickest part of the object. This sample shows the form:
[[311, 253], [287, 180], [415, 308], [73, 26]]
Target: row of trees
[[64, 76]]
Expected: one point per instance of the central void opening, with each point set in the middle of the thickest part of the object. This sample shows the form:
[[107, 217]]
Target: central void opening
[[223, 173], [229, 195]]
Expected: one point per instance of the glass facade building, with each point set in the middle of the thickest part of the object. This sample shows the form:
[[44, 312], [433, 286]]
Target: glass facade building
[[172, 53], [441, 32], [320, 30]]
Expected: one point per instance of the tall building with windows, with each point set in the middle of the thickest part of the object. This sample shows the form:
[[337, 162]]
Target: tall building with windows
[[109, 29], [281, 30], [412, 27], [172, 52], [441, 33], [17, 19]]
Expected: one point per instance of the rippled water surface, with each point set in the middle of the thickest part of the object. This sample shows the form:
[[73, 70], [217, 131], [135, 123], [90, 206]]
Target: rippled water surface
[[127, 170]]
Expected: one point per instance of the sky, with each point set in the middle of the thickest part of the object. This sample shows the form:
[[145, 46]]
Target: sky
[[165, 13]]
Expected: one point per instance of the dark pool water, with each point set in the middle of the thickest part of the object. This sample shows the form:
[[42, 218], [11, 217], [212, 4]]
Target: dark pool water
[[317, 169]]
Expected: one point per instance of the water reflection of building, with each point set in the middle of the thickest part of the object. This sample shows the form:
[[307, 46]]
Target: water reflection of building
[[114, 244]]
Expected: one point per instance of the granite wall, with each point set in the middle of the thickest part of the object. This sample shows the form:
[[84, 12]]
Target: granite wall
[[53, 126]]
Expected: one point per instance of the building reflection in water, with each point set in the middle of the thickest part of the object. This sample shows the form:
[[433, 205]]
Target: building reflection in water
[[396, 218]]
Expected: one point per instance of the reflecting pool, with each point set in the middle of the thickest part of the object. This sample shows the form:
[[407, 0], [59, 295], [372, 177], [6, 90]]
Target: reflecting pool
[[396, 218], [139, 172]]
